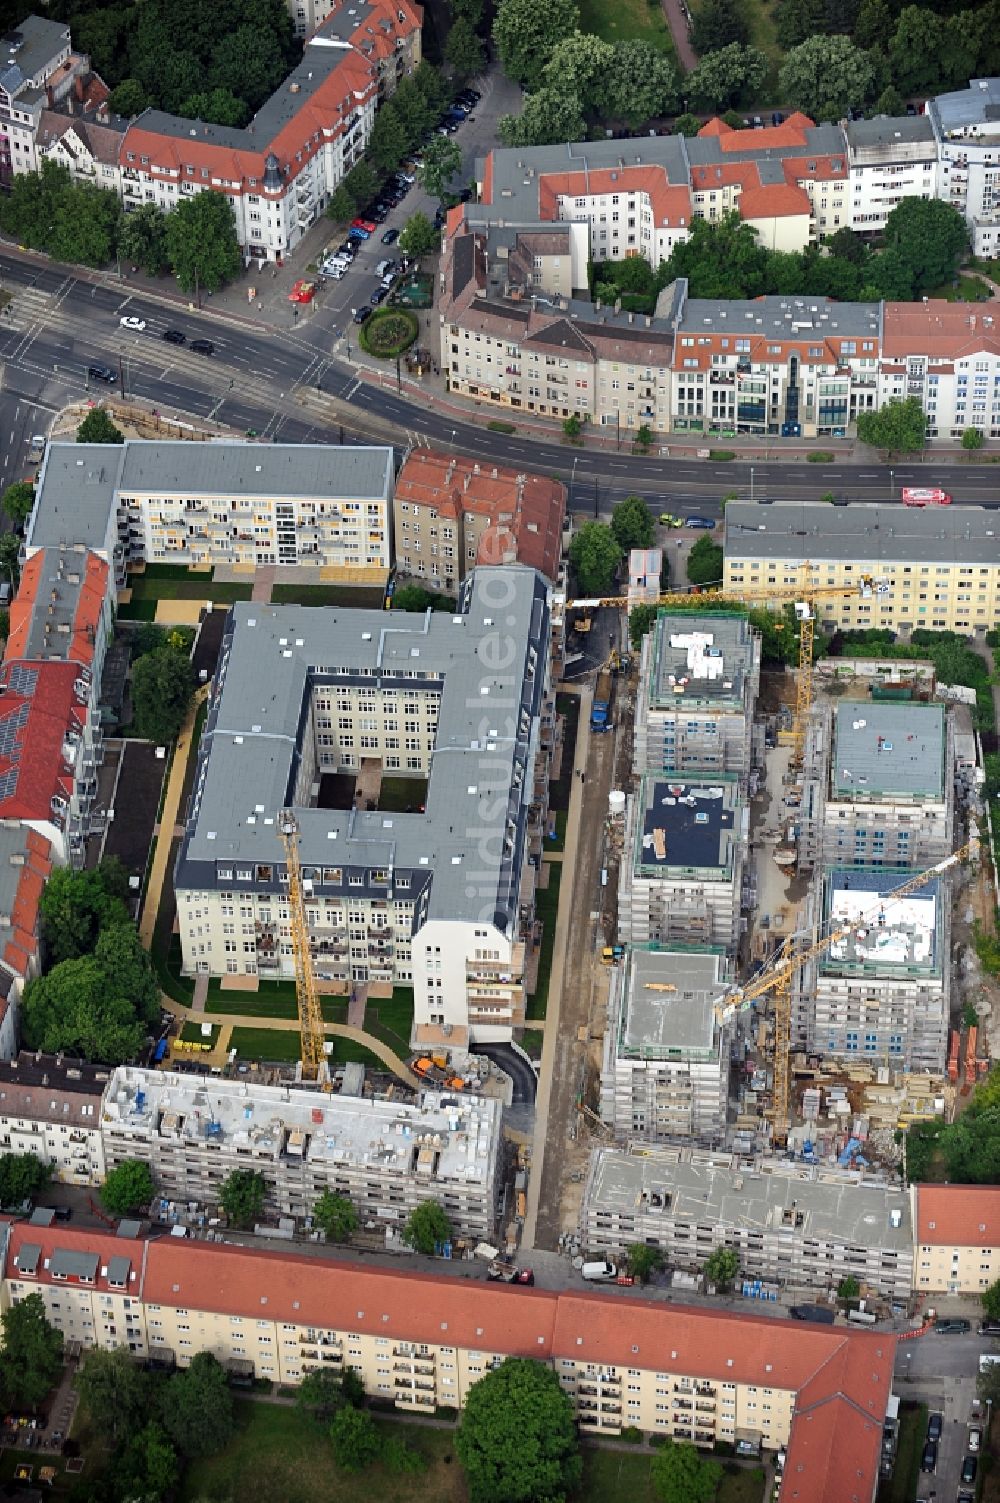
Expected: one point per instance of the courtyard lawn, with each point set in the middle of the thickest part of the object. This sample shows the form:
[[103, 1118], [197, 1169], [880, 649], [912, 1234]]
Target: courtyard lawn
[[623, 1477], [360, 597], [968, 290], [902, 1485], [547, 908], [289, 1458], [623, 20], [282, 1045], [399, 794]]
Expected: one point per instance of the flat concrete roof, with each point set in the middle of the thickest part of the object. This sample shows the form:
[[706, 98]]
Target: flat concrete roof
[[703, 1189], [888, 132], [805, 318], [321, 1129], [660, 1024], [977, 104], [881, 749], [700, 660], [901, 937], [684, 824], [865, 533]]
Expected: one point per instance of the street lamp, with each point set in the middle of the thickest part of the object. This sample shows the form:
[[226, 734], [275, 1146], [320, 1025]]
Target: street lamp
[[572, 481], [892, 493], [751, 482]]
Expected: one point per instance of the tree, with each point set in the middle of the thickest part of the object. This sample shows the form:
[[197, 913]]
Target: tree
[[890, 102], [930, 237], [988, 1385], [32, 1354], [721, 1267], [467, 10], [128, 1187], [847, 245], [799, 19], [197, 1406], [972, 439], [642, 1259], [78, 1007], [681, 1475], [201, 242], [17, 501], [242, 1196], [918, 44], [162, 685], [572, 427], [389, 140], [723, 78], [644, 436], [72, 221], [990, 1299], [595, 555], [142, 239], [321, 1393], [640, 621], [342, 206], [217, 106], [128, 99], [826, 76], [418, 236], [548, 116], [687, 125], [517, 1441], [463, 51], [427, 1227], [579, 65], [897, 426], [638, 83], [10, 556], [413, 598], [128, 969], [361, 183], [97, 428], [75, 906], [335, 1216], [874, 26], [717, 24], [525, 34], [632, 524], [22, 1175], [248, 62], [146, 1470], [114, 1391], [442, 159], [704, 563], [356, 1441], [848, 1288]]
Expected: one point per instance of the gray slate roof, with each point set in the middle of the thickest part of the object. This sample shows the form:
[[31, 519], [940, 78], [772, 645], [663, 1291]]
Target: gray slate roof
[[867, 532], [802, 318], [884, 748], [979, 104]]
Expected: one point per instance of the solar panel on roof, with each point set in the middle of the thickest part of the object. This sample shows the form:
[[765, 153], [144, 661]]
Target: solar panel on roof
[[8, 784], [23, 680]]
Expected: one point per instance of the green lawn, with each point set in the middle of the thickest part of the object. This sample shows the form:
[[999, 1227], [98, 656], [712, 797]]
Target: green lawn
[[969, 290], [623, 1477], [279, 1455], [191, 1034], [399, 794], [532, 1040], [621, 20], [363, 597], [281, 1045], [558, 816], [901, 1487], [194, 587], [547, 907]]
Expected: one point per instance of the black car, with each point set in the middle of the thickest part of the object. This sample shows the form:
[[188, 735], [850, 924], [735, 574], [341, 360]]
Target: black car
[[390, 237], [380, 213], [952, 1327], [989, 1328], [174, 336], [934, 1426], [360, 314], [203, 346], [378, 296], [348, 248], [928, 1460], [969, 1468], [102, 373]]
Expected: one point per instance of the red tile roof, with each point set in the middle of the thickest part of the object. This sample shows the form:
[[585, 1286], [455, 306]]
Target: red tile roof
[[90, 598], [777, 201], [21, 944], [958, 1215], [40, 706], [940, 330]]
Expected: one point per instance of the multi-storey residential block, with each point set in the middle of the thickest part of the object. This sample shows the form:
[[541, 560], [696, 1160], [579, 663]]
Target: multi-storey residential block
[[879, 785], [36, 57], [435, 896], [385, 1156], [232, 503], [666, 1053], [451, 514], [957, 1235], [949, 359], [880, 992], [681, 871], [889, 159], [25, 863], [965, 125], [941, 565], [51, 1107], [698, 683], [819, 1392], [788, 1224]]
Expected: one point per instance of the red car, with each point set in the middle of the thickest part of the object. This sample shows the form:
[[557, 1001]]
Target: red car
[[363, 224]]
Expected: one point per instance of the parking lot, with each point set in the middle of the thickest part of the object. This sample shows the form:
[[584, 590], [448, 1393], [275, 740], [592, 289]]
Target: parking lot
[[940, 1370]]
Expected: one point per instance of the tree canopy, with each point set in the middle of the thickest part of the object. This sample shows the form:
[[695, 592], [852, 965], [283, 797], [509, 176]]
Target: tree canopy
[[114, 1391], [146, 1467], [17, 501], [717, 24], [99, 1006], [640, 621], [632, 524], [76, 906], [201, 242], [242, 1196], [463, 51], [427, 1227], [517, 1441], [898, 426], [356, 1441], [32, 1354], [525, 34], [75, 222], [98, 428], [418, 237], [825, 76], [930, 237], [990, 1299], [442, 159], [197, 1407], [726, 77], [680, 1474], [142, 239], [128, 1187], [595, 554], [22, 1175], [162, 686], [336, 1216], [721, 1267], [704, 562]]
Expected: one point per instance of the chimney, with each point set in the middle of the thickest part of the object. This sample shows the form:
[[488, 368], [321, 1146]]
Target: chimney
[[78, 87]]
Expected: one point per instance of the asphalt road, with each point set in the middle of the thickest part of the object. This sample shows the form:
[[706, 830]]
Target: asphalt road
[[289, 387], [941, 1371]]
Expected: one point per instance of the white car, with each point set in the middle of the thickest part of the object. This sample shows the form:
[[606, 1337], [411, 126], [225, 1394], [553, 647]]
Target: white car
[[138, 324]]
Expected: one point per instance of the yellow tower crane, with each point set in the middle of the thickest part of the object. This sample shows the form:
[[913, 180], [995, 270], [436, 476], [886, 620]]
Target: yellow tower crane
[[802, 595], [314, 1064], [777, 979]]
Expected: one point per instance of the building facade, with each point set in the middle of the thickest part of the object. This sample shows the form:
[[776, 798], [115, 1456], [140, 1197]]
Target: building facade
[[26, 859], [789, 1223], [698, 683], [440, 897], [889, 159], [385, 1157], [820, 1394], [941, 565], [665, 1072], [965, 127], [682, 866], [50, 1107], [957, 1235]]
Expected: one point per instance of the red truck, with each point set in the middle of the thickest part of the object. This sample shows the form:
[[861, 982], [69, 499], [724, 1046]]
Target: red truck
[[925, 495]]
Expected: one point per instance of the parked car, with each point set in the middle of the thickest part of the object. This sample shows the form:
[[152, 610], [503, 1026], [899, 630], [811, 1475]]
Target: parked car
[[363, 224], [975, 1439], [202, 346], [386, 264], [102, 373], [360, 314], [357, 233], [390, 237], [989, 1328], [378, 296], [952, 1327], [934, 1426], [131, 322], [969, 1468], [928, 1460], [705, 523], [174, 336]]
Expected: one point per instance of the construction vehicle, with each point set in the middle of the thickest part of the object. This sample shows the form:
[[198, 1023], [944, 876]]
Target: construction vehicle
[[435, 1069], [611, 954], [776, 979], [925, 495], [582, 624], [602, 701], [314, 1064]]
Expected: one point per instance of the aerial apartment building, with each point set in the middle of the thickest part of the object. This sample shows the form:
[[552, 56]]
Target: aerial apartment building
[[881, 991], [26, 859], [698, 680], [938, 567], [948, 357], [438, 896], [791, 1224], [665, 1072], [820, 1393], [965, 128], [682, 866], [386, 1157], [170, 501], [956, 1229], [50, 1107]]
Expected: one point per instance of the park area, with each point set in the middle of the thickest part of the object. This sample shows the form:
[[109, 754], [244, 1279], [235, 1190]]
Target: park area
[[627, 20]]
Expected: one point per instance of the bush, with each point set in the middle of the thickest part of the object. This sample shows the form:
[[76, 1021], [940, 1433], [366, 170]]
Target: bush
[[388, 333], [631, 1435], [497, 425], [819, 456], [722, 454]]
